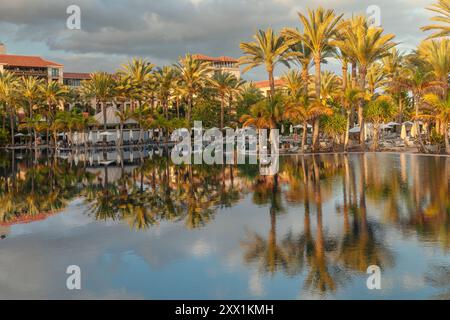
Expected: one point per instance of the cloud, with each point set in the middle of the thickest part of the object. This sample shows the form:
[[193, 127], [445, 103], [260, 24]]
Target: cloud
[[164, 30]]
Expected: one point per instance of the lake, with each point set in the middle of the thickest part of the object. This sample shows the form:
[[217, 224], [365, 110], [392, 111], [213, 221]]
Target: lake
[[148, 229]]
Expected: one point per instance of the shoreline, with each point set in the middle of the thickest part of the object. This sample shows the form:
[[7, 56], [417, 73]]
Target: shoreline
[[408, 151]]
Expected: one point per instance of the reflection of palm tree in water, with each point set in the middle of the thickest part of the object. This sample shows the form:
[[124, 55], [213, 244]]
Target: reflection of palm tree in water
[[320, 277], [267, 253], [360, 247]]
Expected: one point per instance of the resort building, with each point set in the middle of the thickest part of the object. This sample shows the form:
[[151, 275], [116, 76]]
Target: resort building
[[30, 66], [264, 86], [225, 64], [74, 79]]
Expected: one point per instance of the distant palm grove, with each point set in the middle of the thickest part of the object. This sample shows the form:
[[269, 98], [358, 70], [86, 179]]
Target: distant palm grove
[[377, 84]]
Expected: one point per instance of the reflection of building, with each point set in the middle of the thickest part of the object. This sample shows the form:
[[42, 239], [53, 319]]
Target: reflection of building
[[24, 219], [225, 64], [264, 86], [73, 79], [30, 66]]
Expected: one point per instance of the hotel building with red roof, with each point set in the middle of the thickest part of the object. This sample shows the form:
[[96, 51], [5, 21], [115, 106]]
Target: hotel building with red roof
[[30, 66], [223, 63]]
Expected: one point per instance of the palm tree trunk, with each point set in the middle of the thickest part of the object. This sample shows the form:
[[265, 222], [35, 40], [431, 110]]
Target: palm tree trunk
[[315, 141], [305, 77], [354, 75], [304, 135], [222, 111], [11, 121], [344, 76], [347, 132], [447, 143], [376, 129], [271, 82], [189, 112], [362, 142], [400, 109], [317, 61]]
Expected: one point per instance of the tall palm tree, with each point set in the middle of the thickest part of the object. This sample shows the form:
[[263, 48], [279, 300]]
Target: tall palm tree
[[30, 88], [222, 82], [193, 77], [442, 8], [54, 95], [366, 45], [101, 87], [165, 78], [139, 74], [320, 27], [268, 49], [8, 96]]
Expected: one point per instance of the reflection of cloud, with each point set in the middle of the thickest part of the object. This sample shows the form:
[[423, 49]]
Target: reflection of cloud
[[201, 248], [412, 282], [255, 286]]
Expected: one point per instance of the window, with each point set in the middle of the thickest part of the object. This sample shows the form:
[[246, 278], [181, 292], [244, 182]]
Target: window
[[55, 72]]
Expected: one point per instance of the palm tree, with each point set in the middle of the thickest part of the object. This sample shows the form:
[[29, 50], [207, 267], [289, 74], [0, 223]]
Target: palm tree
[[376, 78], [437, 54], [349, 99], [393, 68], [419, 79], [222, 82], [102, 87], [193, 77], [379, 111], [30, 88], [165, 78], [366, 45], [298, 111], [139, 74], [331, 85], [8, 96], [269, 49], [442, 114], [442, 8], [265, 113], [54, 95], [320, 27]]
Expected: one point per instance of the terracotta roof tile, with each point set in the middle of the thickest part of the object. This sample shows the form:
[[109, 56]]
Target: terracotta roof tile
[[26, 61], [214, 59], [265, 83], [77, 75]]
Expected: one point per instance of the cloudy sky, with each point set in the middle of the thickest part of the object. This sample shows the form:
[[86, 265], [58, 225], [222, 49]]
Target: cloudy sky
[[162, 30]]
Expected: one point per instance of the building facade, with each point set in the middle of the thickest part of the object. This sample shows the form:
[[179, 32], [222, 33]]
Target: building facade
[[224, 64], [30, 66], [264, 86], [74, 79]]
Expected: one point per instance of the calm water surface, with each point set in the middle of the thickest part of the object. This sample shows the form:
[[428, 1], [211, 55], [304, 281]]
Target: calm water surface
[[148, 229]]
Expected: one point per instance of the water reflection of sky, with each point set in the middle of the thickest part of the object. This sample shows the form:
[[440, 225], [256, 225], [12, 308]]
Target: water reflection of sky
[[169, 261]]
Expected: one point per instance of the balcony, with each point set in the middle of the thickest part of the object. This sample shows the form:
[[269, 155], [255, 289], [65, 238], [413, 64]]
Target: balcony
[[29, 72]]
